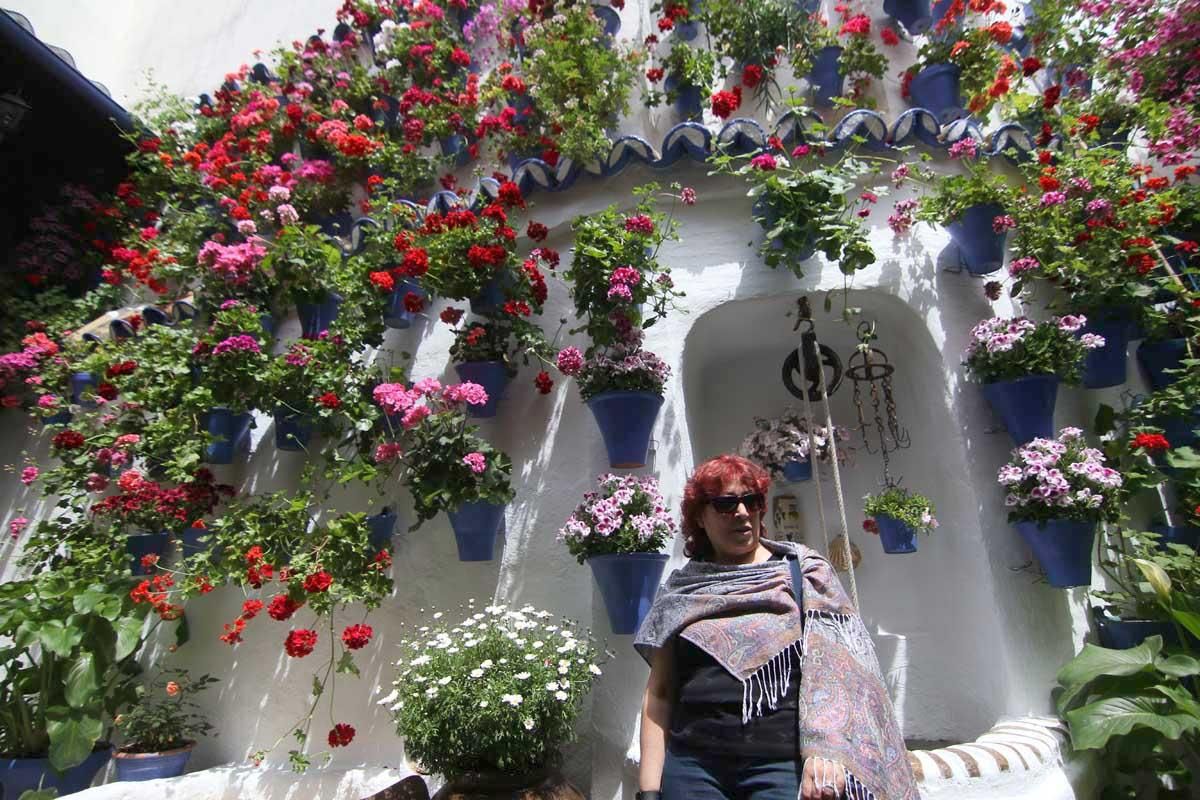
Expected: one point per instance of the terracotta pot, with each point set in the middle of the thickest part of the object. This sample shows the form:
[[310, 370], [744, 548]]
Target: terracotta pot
[[544, 785]]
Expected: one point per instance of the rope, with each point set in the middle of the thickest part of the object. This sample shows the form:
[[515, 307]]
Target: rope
[[837, 474]]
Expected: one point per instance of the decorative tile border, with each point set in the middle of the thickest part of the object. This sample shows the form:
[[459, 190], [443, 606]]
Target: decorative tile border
[[1015, 745]]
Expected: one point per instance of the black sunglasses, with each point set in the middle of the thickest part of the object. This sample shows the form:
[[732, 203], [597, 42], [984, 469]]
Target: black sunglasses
[[728, 503]]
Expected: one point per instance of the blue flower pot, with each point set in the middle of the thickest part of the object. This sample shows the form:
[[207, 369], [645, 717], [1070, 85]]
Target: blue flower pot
[[317, 317], [762, 209], [292, 431], [1156, 357], [626, 419], [610, 19], [80, 383], [386, 116], [156, 316], [689, 29], [1025, 406], [826, 76], [61, 418], [144, 544], [455, 146], [688, 102], [1063, 548], [148, 766], [937, 89], [628, 582], [476, 525], [914, 15], [396, 315], [491, 298], [268, 325], [1122, 634], [18, 775], [1177, 534], [380, 527], [797, 471], [1105, 366], [190, 541], [492, 376], [232, 432], [333, 225], [895, 536], [980, 248]]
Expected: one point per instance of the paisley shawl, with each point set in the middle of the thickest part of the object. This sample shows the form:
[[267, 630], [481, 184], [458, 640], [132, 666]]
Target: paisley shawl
[[748, 620]]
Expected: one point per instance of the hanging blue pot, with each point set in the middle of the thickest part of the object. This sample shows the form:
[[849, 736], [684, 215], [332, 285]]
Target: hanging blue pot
[[149, 766], [268, 325], [1177, 534], [689, 29], [1180, 432], [1025, 406], [912, 14], [1156, 357], [937, 89], [762, 209], [610, 19], [1063, 548], [476, 525], [1105, 366], [61, 418], [18, 775], [626, 419], [80, 383], [232, 432], [628, 583], [688, 102], [826, 76], [491, 298], [292, 431], [1122, 634], [145, 544], [317, 317], [797, 471], [386, 116], [396, 315], [455, 146], [380, 528], [895, 536], [190, 541], [333, 224], [492, 376], [979, 246]]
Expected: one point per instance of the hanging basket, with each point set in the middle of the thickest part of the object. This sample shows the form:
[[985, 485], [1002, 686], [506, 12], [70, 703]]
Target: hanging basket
[[797, 471], [914, 15], [896, 537], [316, 318], [627, 582], [139, 545], [626, 419], [397, 315], [232, 433], [1156, 357], [936, 88], [292, 431], [1116, 633], [476, 526], [688, 102], [1025, 406], [1063, 548]]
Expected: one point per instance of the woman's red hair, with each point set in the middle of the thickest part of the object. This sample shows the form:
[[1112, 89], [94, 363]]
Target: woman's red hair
[[713, 478]]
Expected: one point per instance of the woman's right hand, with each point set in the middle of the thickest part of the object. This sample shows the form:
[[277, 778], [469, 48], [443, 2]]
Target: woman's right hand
[[822, 779]]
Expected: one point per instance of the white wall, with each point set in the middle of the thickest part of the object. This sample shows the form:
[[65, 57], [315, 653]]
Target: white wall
[[963, 637]]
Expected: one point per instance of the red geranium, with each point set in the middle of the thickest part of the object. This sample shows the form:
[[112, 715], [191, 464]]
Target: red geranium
[[357, 636], [318, 582], [725, 103], [383, 281], [341, 735], [300, 643], [250, 608], [752, 75], [282, 607], [68, 440], [1150, 442], [330, 400], [543, 382], [537, 231]]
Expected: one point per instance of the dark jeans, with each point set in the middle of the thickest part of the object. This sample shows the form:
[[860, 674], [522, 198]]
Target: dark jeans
[[710, 776]]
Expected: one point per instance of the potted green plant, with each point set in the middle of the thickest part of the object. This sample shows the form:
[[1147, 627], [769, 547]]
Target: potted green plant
[[804, 207], [1057, 491], [784, 446], [307, 268], [751, 34], [517, 689], [230, 361], [317, 387], [619, 531], [70, 666], [1021, 364], [623, 385], [949, 68], [828, 58], [486, 353], [971, 207], [448, 466], [690, 77], [897, 515], [161, 729]]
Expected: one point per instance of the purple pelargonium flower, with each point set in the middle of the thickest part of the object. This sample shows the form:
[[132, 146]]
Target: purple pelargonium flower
[[1055, 198], [243, 343]]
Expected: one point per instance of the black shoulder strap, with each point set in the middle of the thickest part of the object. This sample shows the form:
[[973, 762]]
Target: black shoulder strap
[[797, 579]]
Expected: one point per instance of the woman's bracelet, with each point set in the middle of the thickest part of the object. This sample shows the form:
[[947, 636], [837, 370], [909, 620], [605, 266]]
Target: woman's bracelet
[[651, 795]]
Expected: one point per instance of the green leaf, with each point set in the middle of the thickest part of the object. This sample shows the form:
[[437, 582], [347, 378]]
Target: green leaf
[[1093, 662], [1105, 420], [346, 664], [1179, 666], [129, 635], [82, 681], [58, 638], [182, 631], [73, 734], [1188, 619], [1094, 724]]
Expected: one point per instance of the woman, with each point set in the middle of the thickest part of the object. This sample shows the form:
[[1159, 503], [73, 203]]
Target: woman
[[730, 711]]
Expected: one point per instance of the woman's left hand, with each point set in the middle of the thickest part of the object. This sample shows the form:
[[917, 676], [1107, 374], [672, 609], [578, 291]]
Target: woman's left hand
[[822, 779]]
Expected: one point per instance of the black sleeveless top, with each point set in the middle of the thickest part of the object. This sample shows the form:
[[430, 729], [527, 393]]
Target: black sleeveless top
[[707, 714]]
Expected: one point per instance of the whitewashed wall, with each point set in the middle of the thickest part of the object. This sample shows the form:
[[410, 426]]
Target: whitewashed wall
[[964, 636]]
